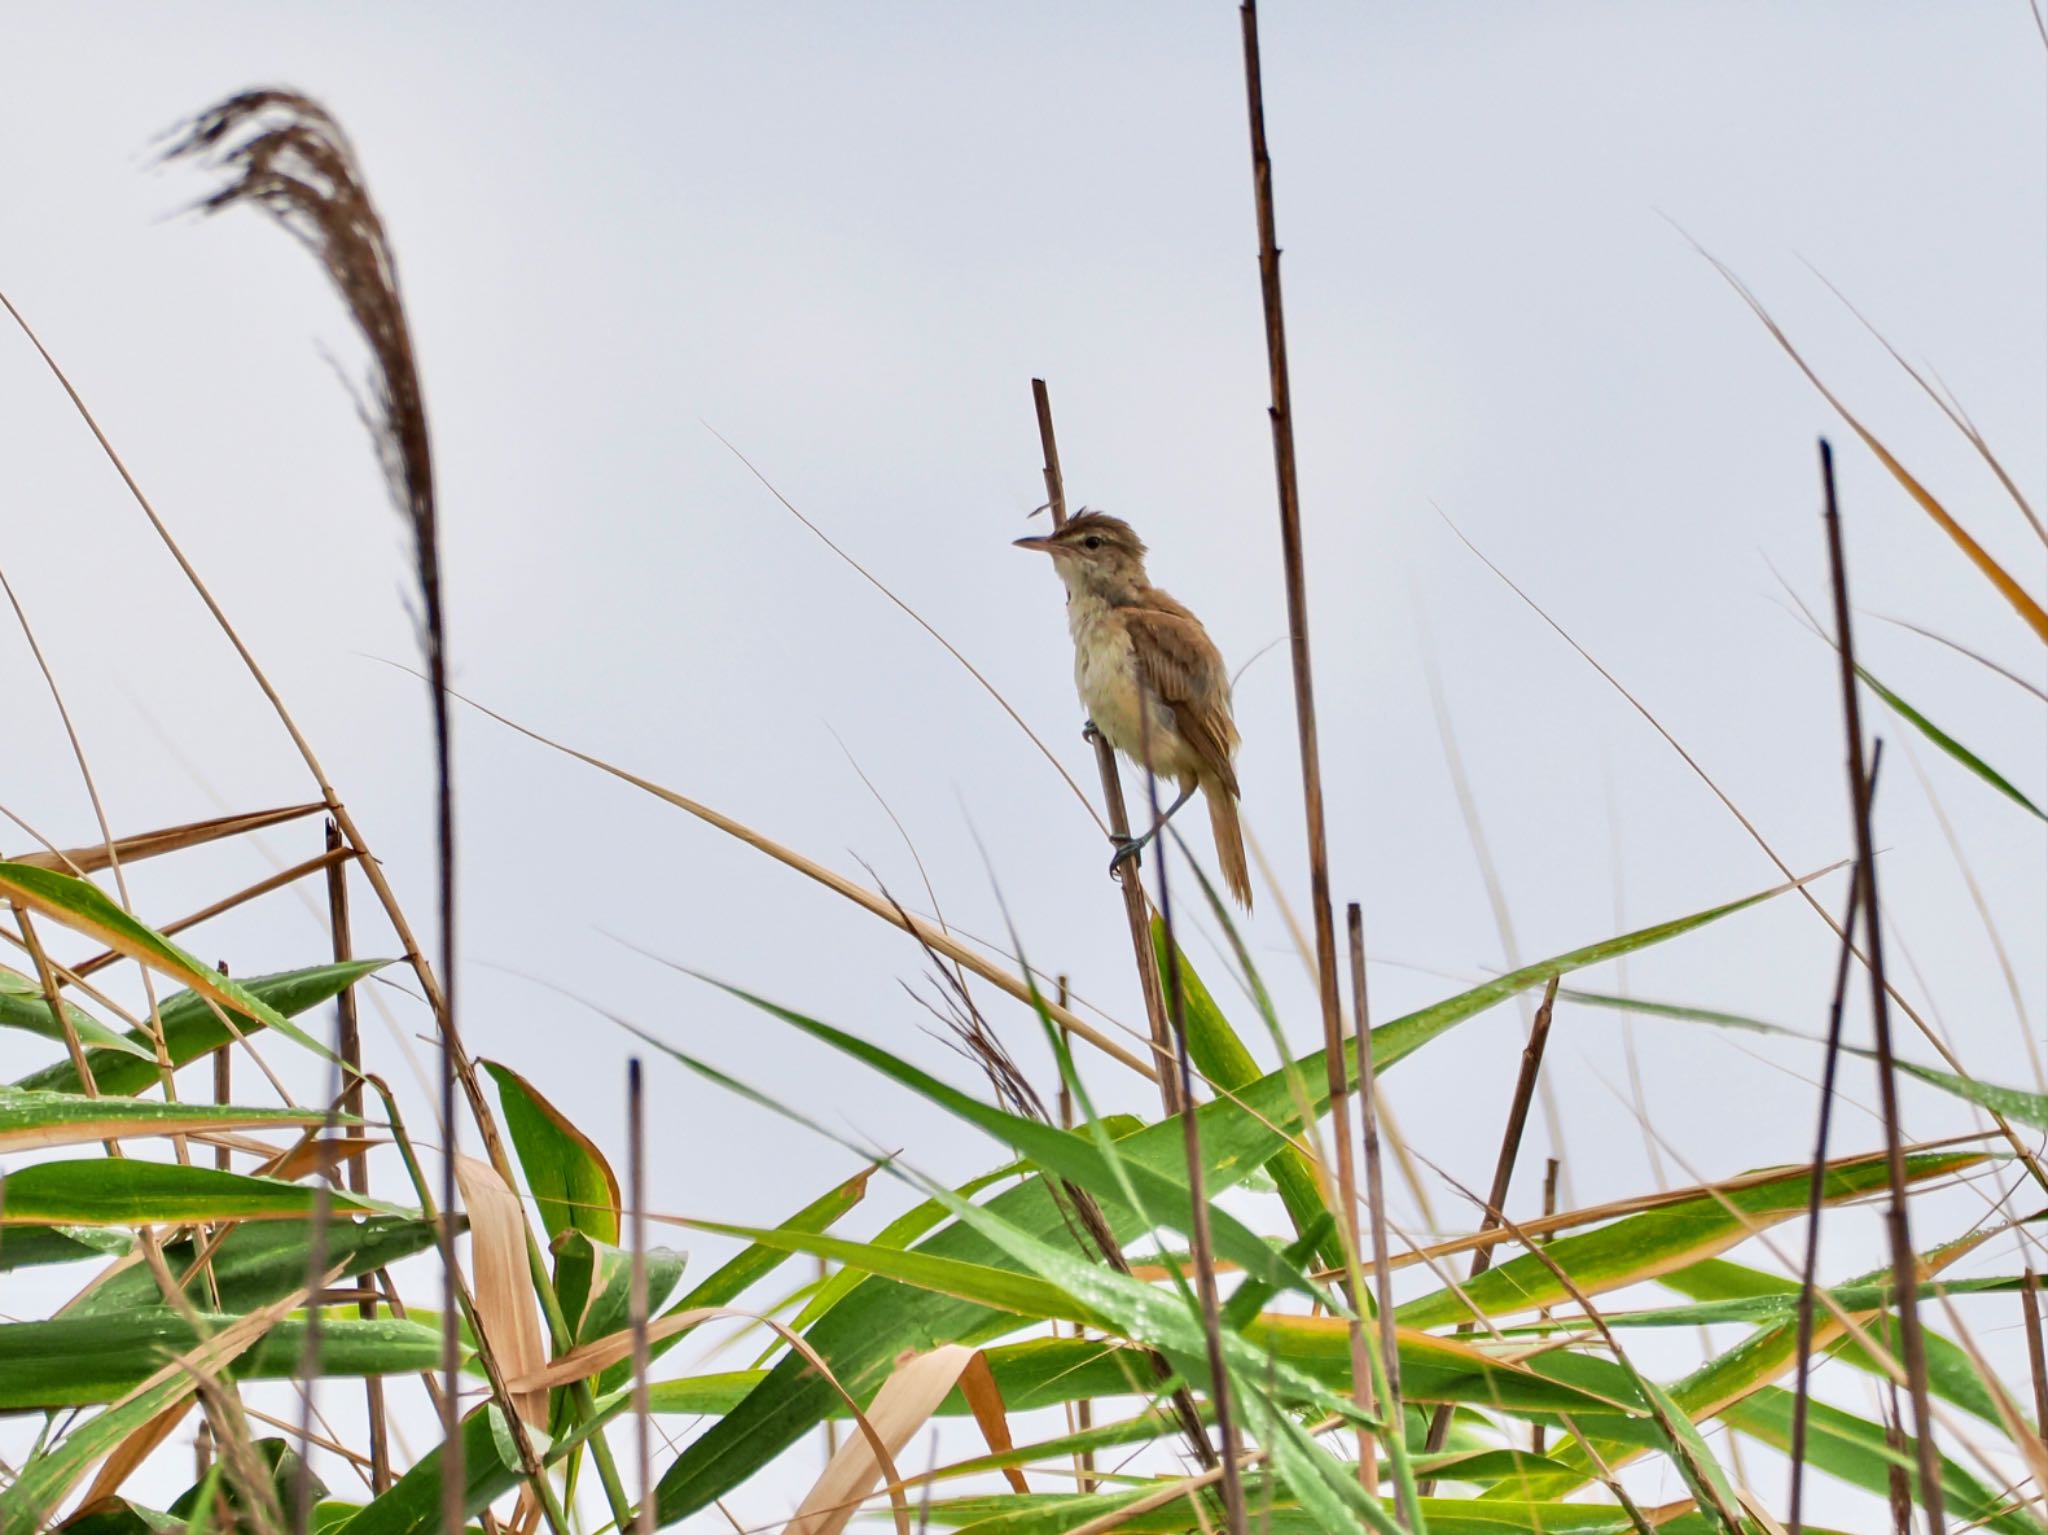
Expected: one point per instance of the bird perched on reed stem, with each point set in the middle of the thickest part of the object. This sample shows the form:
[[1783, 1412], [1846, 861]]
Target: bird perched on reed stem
[[1151, 678]]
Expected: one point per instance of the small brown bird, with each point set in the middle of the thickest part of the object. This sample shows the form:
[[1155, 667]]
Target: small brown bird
[[1134, 646]]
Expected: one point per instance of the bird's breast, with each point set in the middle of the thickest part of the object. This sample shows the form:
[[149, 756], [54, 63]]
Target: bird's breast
[[1106, 677]]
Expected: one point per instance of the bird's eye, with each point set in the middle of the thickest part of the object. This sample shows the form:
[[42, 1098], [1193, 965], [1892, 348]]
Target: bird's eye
[[1092, 541]]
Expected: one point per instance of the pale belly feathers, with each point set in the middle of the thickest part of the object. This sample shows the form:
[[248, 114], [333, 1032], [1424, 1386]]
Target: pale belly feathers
[[1106, 677]]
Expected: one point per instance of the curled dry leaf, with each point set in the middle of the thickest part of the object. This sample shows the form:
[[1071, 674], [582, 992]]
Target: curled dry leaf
[[908, 1398], [985, 1400], [505, 1304], [323, 1156]]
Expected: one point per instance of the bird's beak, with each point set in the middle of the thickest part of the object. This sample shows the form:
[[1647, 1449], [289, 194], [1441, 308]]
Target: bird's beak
[[1042, 545]]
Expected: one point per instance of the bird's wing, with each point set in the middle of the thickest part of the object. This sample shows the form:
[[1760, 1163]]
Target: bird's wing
[[1179, 663]]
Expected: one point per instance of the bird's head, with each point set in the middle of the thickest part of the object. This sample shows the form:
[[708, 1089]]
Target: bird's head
[[1095, 553]]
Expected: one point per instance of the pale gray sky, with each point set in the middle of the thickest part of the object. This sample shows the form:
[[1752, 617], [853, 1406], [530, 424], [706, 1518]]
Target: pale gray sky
[[846, 237]]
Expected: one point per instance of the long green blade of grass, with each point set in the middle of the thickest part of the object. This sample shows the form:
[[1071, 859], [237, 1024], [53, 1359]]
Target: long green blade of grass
[[2011, 1102], [258, 1262], [192, 1029], [1949, 743], [103, 1192], [84, 1361], [40, 1121], [23, 1006], [81, 905]]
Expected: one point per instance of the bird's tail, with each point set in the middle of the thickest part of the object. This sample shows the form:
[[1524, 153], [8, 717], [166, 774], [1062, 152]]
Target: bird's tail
[[1229, 842]]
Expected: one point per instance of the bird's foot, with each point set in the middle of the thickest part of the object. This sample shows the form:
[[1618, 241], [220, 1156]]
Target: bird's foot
[[1127, 851], [1090, 734]]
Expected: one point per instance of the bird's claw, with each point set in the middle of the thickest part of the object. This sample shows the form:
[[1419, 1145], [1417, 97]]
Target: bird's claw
[[1090, 734], [1127, 850]]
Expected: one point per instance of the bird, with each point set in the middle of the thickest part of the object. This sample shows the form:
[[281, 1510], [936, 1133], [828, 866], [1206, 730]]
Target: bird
[[1151, 679]]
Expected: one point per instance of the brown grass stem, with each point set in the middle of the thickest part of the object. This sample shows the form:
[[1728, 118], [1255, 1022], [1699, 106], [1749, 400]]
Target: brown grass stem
[[2037, 1359], [1817, 1186], [349, 1045], [1136, 915], [223, 1092], [1081, 1414], [301, 1511], [1551, 1168], [1281, 415], [1503, 1173], [1202, 1250], [1388, 1378], [1898, 1484], [1905, 1266], [636, 1186]]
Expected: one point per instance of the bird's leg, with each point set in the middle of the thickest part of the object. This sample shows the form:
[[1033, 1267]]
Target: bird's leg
[[1130, 847]]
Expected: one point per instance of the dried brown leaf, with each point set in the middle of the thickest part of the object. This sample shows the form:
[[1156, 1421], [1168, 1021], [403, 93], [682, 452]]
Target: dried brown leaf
[[505, 1304], [321, 1156], [908, 1398], [985, 1401], [171, 839]]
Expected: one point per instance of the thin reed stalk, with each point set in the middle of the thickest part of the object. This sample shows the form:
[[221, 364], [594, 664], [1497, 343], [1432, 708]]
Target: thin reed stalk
[[1281, 414], [1136, 916], [1282, 418], [349, 1046], [1503, 1175], [301, 1511], [1388, 1378], [1816, 1187], [1081, 1413], [1203, 1251], [2037, 1361], [636, 1191], [1905, 1267], [223, 1092], [1552, 1166], [1898, 1487]]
